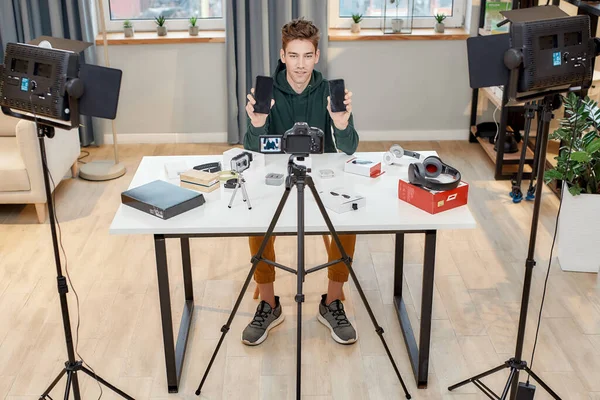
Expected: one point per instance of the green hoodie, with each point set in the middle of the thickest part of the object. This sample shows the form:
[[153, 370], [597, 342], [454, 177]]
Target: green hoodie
[[309, 106]]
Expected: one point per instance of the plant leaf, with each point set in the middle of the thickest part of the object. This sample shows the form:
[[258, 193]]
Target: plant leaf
[[575, 190], [580, 156], [553, 174], [593, 146]]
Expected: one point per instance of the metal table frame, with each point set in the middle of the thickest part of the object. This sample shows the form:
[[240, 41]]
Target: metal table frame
[[175, 351]]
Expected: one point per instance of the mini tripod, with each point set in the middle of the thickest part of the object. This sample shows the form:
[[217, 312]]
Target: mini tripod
[[241, 183]]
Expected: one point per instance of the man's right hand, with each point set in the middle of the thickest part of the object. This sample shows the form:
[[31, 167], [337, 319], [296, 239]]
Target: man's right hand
[[258, 120]]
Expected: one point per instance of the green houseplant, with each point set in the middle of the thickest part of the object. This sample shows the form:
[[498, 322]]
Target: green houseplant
[[578, 167], [439, 25], [161, 28], [193, 27], [128, 28], [356, 19]]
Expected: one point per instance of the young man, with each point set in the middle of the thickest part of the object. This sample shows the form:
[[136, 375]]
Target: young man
[[301, 94]]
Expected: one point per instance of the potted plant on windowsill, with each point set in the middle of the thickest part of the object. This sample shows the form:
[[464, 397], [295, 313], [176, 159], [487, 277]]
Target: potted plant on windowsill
[[439, 25], [128, 28], [397, 22], [193, 28], [356, 19], [578, 167], [161, 28]]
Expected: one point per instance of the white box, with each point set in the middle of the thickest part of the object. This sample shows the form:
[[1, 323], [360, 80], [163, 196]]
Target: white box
[[258, 159], [364, 167], [341, 200]]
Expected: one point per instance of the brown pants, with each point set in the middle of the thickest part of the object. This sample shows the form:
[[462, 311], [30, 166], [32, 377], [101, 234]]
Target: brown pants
[[338, 272]]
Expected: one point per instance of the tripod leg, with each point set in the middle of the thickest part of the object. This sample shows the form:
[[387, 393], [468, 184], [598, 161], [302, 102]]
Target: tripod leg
[[108, 385], [234, 193], [346, 261], [255, 260], [542, 383], [75, 383], [509, 382], [477, 377], [517, 194], [300, 282], [68, 388], [53, 384], [245, 193]]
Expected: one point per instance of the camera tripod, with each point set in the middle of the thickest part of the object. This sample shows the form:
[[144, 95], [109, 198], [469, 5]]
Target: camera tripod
[[71, 366], [240, 183], [516, 364], [297, 176]]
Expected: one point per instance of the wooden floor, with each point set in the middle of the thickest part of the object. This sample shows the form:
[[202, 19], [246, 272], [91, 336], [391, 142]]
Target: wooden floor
[[479, 277]]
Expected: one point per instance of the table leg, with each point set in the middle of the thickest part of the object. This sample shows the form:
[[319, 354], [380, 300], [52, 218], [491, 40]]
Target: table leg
[[174, 354], [418, 354]]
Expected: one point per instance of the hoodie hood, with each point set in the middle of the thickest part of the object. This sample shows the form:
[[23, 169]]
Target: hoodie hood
[[280, 80]]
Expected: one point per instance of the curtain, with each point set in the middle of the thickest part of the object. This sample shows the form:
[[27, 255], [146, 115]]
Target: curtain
[[253, 41], [24, 20]]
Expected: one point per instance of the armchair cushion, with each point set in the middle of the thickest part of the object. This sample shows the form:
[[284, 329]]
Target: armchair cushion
[[13, 174]]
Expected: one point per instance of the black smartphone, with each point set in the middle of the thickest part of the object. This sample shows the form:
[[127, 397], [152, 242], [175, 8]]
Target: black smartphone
[[337, 91], [263, 93]]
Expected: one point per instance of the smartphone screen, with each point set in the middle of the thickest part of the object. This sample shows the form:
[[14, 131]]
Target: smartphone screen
[[337, 93], [263, 93]]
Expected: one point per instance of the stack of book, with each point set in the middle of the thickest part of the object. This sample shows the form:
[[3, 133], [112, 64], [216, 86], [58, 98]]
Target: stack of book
[[199, 180]]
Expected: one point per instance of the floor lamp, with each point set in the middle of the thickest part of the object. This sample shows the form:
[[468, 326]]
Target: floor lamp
[[108, 169]]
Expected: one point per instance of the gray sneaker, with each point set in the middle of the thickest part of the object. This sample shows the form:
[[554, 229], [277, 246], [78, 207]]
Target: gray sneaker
[[334, 317], [265, 319]]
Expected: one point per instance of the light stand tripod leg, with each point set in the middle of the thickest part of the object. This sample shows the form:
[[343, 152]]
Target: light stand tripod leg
[[509, 382], [347, 261], [108, 385], [68, 388], [53, 384], [477, 377], [255, 260], [541, 382]]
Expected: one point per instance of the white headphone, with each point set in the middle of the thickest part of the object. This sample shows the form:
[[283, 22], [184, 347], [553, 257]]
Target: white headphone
[[396, 152]]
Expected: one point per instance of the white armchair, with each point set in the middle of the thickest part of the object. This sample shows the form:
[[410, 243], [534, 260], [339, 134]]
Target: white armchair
[[21, 178]]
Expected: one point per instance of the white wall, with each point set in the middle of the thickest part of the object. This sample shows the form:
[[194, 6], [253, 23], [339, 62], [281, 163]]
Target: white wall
[[169, 93], [402, 90]]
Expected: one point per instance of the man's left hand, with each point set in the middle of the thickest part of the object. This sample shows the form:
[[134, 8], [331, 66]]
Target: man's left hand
[[340, 119]]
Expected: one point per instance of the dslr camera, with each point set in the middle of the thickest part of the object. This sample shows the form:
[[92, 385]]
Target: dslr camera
[[301, 139], [241, 162]]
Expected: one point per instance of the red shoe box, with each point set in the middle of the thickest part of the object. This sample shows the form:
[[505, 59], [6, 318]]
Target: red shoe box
[[433, 201]]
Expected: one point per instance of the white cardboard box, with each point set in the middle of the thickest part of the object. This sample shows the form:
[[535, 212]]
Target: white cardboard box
[[341, 200], [364, 167]]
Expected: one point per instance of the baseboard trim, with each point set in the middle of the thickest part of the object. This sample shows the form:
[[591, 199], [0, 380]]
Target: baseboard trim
[[221, 137]]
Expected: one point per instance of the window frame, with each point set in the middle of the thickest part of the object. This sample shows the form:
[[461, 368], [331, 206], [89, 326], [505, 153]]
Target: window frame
[[147, 25], [457, 20]]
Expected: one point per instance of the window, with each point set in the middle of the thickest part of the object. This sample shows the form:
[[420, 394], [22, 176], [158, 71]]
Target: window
[[372, 10], [141, 13]]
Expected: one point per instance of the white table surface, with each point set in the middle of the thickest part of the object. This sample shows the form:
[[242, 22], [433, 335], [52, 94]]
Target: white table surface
[[384, 212]]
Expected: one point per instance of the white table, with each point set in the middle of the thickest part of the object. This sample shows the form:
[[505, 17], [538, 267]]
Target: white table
[[384, 213]]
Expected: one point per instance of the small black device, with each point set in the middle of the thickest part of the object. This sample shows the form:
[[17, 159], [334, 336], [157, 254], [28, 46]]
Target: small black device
[[241, 162], [526, 391], [231, 183], [263, 94], [425, 174], [337, 91], [302, 139], [209, 167], [270, 144]]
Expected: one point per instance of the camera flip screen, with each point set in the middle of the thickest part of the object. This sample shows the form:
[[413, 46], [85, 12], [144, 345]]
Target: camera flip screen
[[270, 144]]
